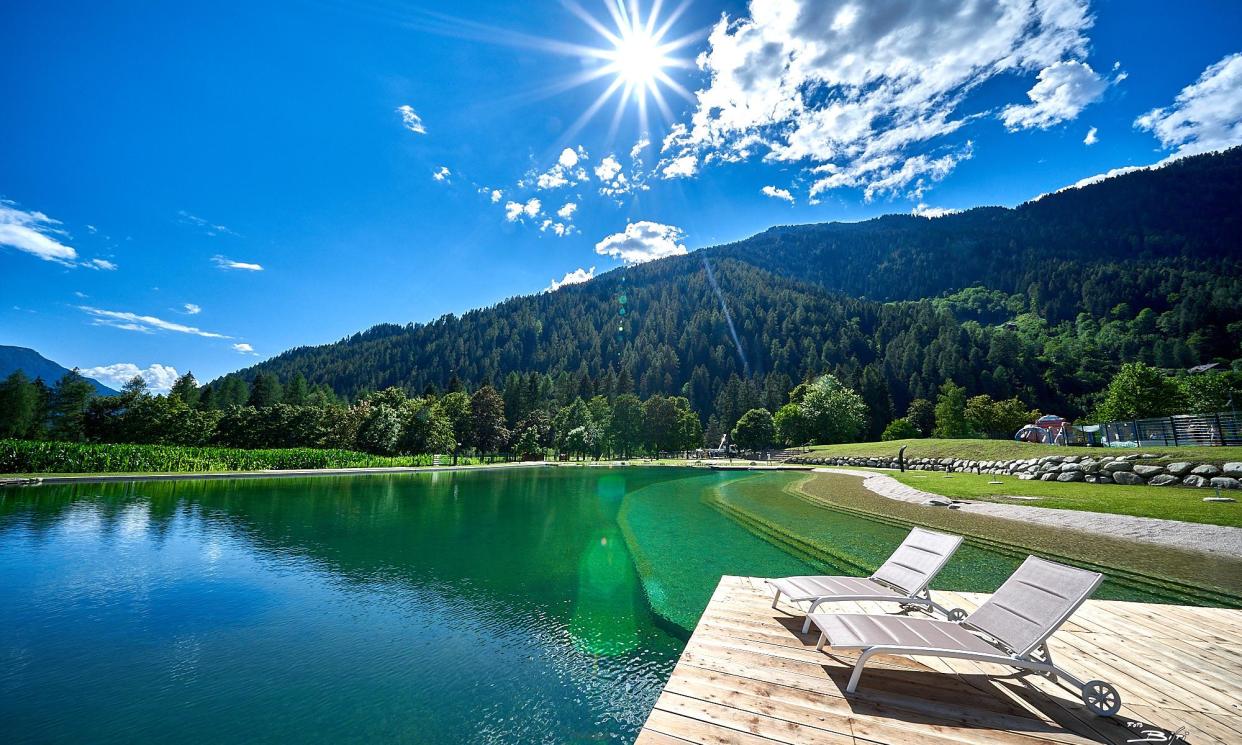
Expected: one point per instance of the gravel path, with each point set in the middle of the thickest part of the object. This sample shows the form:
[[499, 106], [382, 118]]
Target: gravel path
[[1213, 539]]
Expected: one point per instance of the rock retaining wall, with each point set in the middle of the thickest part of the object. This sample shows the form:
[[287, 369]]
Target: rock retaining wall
[[1130, 469]]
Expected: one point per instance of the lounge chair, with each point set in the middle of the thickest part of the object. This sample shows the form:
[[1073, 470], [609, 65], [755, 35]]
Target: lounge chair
[[1011, 628], [904, 578]]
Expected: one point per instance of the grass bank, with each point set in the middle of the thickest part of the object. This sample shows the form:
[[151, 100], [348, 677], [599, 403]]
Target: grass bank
[[27, 457], [1169, 503], [1010, 450]]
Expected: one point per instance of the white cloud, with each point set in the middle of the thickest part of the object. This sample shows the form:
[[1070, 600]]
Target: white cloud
[[190, 309], [145, 324], [1092, 137], [923, 210], [206, 226], [643, 241], [576, 277], [244, 348], [1206, 115], [35, 233], [642, 144], [410, 120], [1063, 90], [159, 378], [565, 170], [777, 193], [103, 264], [553, 179], [872, 93], [442, 174], [222, 262], [608, 168], [497, 195], [517, 210], [566, 212], [568, 158]]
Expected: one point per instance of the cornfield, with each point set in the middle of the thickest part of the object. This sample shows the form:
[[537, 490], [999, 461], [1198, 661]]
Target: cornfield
[[40, 456]]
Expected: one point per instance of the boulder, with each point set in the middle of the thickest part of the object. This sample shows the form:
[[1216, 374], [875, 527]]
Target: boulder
[[1127, 478], [1233, 470], [1103, 478], [1193, 480], [1225, 482], [1207, 470], [1118, 465], [1179, 469], [1148, 471], [1070, 467], [1070, 476], [1164, 479], [1048, 476]]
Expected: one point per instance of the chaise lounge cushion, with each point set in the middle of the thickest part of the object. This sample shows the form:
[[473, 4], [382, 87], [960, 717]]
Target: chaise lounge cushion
[[810, 588], [858, 631]]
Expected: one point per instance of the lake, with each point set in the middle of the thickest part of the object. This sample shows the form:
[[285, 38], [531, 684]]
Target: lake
[[535, 604]]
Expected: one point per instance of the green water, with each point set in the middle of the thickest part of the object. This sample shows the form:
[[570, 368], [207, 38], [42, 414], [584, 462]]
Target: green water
[[532, 605]]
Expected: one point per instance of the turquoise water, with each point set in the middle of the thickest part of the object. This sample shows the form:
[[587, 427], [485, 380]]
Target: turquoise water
[[533, 605]]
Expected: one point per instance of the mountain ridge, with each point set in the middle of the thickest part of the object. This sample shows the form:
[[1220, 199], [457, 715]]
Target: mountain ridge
[[34, 365]]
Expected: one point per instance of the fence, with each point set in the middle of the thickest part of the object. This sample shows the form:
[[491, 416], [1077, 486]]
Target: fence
[[1222, 428]]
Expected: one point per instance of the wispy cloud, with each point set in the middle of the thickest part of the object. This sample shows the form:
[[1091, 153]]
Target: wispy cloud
[[778, 193], [190, 309], [35, 233], [208, 227], [101, 264], [159, 378], [643, 241], [442, 174], [1207, 114], [223, 262], [576, 277], [145, 324], [411, 120]]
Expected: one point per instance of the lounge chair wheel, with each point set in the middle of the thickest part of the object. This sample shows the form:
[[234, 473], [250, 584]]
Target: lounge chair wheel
[[1101, 698], [957, 614]]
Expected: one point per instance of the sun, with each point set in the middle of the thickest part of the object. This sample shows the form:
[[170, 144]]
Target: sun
[[638, 59]]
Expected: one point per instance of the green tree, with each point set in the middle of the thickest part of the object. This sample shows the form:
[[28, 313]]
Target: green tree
[[455, 406], [19, 402], [791, 426], [186, 389], [922, 414], [755, 430], [427, 430], [625, 426], [899, 429], [1206, 393], [233, 392], [533, 435], [1138, 391], [667, 424], [296, 392], [67, 407], [264, 391], [381, 430], [487, 420], [951, 412], [833, 413], [207, 399]]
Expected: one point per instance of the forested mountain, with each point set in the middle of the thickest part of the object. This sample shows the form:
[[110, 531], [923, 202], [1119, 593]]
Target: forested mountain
[[34, 365], [1043, 301]]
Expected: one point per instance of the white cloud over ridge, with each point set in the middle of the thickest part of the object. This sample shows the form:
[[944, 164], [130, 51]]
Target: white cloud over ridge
[[1063, 90], [159, 378], [1206, 115], [576, 277], [643, 241], [411, 120], [865, 95], [145, 324]]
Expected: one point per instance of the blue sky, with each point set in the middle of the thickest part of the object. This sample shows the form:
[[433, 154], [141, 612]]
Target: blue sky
[[197, 186]]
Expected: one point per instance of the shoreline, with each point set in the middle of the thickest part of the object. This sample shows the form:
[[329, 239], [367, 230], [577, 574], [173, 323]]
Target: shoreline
[[1217, 540]]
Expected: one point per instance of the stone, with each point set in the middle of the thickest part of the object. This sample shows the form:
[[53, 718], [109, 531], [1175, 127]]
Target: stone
[[1070, 476], [1233, 470], [1103, 478], [1225, 482], [1193, 480], [1070, 467], [1127, 478], [1180, 468], [1118, 465], [1148, 471], [1048, 476], [1206, 469], [938, 502], [1164, 479]]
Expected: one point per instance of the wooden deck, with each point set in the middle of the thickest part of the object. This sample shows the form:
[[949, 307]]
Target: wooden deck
[[749, 676]]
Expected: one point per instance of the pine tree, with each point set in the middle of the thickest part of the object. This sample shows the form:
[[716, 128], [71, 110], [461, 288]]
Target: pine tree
[[18, 406], [67, 407], [186, 389]]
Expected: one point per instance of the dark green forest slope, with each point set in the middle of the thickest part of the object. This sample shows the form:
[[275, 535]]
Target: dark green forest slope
[[1043, 301]]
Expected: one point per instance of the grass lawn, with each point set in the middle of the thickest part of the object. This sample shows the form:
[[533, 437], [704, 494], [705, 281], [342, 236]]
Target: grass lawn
[[1010, 450], [1170, 503]]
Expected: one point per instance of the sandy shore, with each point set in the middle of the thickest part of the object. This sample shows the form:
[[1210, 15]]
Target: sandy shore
[[1214, 539]]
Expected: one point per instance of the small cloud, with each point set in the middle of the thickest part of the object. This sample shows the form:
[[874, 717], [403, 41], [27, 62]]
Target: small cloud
[[684, 166], [566, 212], [244, 348], [102, 264], [410, 120], [206, 226], [778, 193], [145, 324], [1091, 137], [516, 210], [442, 174], [35, 233], [159, 378], [923, 210], [642, 144], [92, 229], [81, 295], [608, 168], [568, 158], [497, 195], [190, 309], [576, 277], [222, 262], [643, 241], [1061, 92], [567, 169]]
